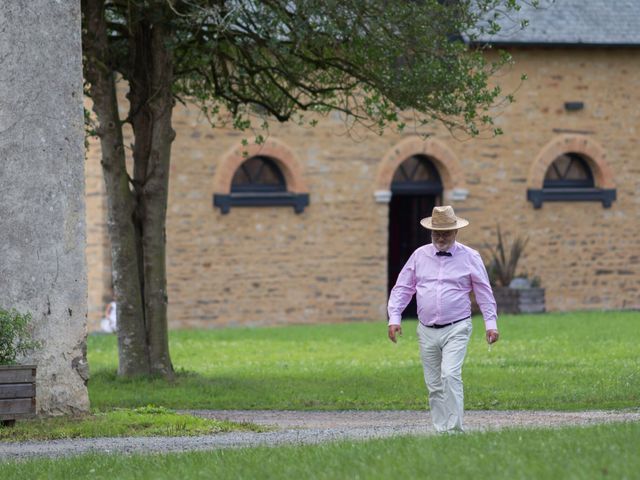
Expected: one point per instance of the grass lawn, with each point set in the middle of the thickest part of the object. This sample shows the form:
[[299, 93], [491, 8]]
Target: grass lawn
[[603, 451], [571, 361], [138, 422]]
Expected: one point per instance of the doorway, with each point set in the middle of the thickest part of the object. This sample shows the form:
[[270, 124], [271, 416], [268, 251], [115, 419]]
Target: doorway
[[416, 189]]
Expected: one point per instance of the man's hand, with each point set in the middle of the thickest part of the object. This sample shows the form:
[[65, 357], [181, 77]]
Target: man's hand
[[393, 330], [492, 336]]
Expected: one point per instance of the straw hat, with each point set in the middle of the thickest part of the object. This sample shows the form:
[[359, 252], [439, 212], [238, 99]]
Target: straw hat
[[443, 218]]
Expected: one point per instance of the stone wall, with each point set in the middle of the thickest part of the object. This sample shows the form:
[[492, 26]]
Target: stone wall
[[42, 239], [268, 265]]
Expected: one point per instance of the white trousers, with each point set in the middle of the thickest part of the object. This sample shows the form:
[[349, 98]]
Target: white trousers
[[442, 351]]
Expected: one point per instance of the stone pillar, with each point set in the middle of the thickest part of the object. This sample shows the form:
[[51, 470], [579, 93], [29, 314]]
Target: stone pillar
[[42, 217]]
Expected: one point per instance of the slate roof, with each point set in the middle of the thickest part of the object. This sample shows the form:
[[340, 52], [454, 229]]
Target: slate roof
[[572, 22]]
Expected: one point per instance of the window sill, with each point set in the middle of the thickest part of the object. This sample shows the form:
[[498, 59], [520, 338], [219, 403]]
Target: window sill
[[538, 196], [274, 199]]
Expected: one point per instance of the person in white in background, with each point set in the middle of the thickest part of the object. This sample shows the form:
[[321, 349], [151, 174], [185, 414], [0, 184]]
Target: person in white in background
[[109, 323], [442, 274]]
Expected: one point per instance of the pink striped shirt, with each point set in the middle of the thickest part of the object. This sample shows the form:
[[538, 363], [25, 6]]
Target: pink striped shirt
[[442, 285]]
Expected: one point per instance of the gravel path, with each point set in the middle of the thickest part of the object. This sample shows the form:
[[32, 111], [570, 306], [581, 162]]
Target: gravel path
[[295, 427]]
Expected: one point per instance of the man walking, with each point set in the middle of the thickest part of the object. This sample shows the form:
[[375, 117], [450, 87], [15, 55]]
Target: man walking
[[441, 275]]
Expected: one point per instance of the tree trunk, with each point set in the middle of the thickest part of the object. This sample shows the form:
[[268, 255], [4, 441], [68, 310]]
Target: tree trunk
[[151, 104], [136, 216], [133, 351]]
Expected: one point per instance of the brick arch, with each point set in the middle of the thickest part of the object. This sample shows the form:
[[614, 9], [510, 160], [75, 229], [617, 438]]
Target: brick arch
[[444, 159], [272, 148], [592, 152]]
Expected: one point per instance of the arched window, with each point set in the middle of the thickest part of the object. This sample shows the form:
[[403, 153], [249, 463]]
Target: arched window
[[416, 175], [569, 179], [259, 182], [258, 175], [569, 170]]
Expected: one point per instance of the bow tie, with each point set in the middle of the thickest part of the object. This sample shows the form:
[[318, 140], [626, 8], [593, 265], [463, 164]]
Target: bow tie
[[443, 254]]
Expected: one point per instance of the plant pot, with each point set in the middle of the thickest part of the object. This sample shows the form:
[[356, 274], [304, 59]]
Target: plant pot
[[17, 392], [519, 300]]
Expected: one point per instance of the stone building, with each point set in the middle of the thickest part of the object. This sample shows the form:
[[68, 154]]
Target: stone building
[[314, 225]]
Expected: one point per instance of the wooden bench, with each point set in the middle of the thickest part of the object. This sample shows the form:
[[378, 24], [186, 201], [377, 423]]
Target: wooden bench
[[17, 393]]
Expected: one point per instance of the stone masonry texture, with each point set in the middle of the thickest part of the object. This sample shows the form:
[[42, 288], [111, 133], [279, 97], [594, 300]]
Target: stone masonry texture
[[268, 265], [42, 239]]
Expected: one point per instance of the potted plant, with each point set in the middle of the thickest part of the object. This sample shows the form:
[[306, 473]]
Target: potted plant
[[514, 293], [17, 382]]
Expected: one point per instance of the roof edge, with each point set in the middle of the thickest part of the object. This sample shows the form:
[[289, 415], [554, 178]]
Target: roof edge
[[506, 43]]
